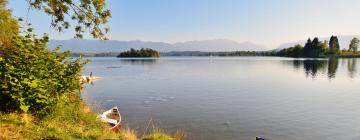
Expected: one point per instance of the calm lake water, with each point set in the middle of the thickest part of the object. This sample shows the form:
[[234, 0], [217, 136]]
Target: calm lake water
[[233, 97]]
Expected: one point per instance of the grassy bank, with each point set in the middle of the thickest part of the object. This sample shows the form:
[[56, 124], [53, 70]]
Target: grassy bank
[[71, 119]]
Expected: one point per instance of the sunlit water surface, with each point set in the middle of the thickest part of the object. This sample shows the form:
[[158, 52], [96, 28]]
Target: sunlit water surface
[[232, 98]]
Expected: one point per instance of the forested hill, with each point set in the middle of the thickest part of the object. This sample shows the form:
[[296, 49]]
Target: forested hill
[[95, 46]]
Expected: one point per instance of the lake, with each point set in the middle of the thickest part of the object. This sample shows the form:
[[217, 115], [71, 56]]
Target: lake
[[234, 98]]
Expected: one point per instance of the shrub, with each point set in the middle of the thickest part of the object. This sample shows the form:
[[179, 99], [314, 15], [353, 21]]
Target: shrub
[[32, 77]]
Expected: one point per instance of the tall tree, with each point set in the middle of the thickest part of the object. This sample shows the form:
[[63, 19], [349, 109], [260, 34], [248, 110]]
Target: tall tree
[[354, 44], [315, 43], [324, 47], [307, 47], [315, 47], [334, 45], [8, 26]]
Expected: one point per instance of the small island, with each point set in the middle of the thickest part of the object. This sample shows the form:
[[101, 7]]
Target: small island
[[143, 52]]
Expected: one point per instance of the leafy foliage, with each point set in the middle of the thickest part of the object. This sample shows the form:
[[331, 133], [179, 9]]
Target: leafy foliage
[[9, 26], [33, 77], [89, 14], [313, 48], [140, 53], [334, 45], [354, 44], [296, 51]]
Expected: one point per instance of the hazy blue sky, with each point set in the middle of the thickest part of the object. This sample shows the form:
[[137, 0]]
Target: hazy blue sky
[[267, 22]]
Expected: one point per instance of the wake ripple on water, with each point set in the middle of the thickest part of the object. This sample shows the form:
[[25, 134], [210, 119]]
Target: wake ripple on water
[[149, 101]]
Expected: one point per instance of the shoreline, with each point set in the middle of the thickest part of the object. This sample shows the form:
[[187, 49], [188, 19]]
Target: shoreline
[[71, 118]]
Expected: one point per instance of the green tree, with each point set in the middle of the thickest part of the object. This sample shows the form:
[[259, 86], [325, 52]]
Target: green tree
[[32, 77], [334, 46], [315, 48], [298, 50], [307, 47], [9, 26], [324, 48], [354, 44], [88, 14]]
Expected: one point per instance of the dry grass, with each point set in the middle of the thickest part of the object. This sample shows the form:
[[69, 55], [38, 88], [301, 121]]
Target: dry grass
[[179, 135], [129, 134], [156, 133]]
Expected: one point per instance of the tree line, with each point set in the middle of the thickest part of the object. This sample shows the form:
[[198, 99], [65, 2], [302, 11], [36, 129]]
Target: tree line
[[314, 48], [220, 54], [101, 54]]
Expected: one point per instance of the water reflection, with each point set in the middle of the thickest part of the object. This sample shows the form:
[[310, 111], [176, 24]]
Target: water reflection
[[312, 67], [351, 65], [139, 61], [316, 67], [332, 67], [297, 64]]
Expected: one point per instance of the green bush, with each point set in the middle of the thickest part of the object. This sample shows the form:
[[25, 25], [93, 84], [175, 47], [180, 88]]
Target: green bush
[[32, 77]]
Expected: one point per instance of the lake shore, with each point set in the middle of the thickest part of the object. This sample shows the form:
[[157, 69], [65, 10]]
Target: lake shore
[[70, 119]]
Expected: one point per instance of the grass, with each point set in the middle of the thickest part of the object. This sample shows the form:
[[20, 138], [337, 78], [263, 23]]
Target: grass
[[348, 54], [157, 136], [71, 119]]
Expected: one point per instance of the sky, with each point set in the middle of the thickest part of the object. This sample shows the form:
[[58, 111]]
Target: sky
[[266, 22]]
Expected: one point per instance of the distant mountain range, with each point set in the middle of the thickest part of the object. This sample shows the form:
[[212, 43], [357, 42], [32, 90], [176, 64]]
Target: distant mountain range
[[344, 41], [217, 45], [96, 46]]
